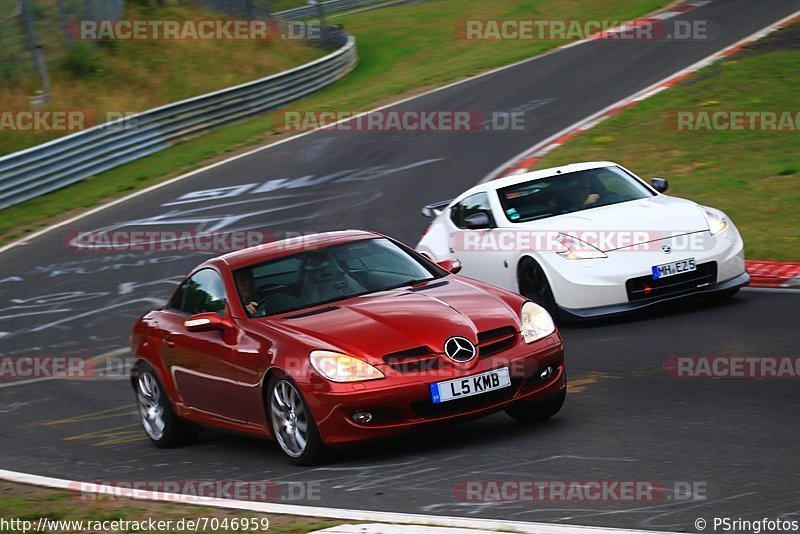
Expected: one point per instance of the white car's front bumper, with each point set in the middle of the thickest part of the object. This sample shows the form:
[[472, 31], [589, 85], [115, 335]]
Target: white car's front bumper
[[623, 281]]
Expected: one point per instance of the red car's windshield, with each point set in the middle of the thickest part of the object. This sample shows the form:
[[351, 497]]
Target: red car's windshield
[[322, 275]]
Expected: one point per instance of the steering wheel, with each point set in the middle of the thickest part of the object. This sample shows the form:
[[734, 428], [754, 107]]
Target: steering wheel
[[265, 293]]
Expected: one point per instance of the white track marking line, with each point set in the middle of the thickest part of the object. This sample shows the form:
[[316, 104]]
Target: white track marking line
[[314, 511]]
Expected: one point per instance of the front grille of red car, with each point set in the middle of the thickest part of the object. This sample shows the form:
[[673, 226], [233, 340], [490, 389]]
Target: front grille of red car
[[415, 360], [420, 359], [494, 341]]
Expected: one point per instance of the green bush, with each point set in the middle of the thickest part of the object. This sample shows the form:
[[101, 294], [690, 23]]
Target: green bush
[[82, 61]]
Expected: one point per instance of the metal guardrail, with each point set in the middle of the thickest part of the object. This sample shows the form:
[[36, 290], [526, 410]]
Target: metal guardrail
[[64, 161], [331, 6]]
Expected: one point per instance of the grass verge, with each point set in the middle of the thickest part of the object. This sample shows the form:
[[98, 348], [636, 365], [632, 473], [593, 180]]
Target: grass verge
[[122, 77], [404, 50], [751, 175]]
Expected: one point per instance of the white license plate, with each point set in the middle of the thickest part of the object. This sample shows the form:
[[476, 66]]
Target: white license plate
[[676, 267], [470, 385]]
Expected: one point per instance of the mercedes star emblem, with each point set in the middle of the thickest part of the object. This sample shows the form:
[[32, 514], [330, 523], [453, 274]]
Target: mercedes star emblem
[[459, 349]]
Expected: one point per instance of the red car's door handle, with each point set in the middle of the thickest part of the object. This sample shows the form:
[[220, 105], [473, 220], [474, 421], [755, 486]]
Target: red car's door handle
[[168, 341]]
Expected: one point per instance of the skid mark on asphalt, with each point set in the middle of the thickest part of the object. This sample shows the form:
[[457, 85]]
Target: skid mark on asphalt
[[120, 411], [579, 385], [114, 435]]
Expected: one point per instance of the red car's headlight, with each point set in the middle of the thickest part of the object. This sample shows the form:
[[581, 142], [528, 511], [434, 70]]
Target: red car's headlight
[[338, 367], [535, 323]]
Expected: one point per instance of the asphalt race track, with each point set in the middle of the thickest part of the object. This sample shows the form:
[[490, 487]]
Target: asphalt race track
[[625, 418]]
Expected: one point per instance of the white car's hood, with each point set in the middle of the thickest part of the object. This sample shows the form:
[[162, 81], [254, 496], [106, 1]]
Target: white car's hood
[[651, 218]]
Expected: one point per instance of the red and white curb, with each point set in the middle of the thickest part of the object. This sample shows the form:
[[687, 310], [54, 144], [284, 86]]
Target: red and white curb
[[523, 162], [645, 21], [773, 273], [378, 519], [763, 273], [651, 20]]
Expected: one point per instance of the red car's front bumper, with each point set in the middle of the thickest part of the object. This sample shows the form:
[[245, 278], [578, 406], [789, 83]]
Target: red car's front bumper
[[402, 400]]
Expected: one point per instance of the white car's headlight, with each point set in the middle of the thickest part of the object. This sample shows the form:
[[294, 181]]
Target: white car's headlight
[[535, 323], [575, 249], [716, 224], [338, 367]]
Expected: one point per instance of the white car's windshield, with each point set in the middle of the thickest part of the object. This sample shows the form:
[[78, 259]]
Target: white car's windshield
[[568, 193], [322, 275]]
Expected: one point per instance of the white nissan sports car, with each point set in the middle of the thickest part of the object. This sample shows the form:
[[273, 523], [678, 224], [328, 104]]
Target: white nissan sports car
[[587, 239]]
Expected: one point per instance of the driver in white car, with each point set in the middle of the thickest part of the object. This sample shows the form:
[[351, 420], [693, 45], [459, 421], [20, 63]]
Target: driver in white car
[[581, 196]]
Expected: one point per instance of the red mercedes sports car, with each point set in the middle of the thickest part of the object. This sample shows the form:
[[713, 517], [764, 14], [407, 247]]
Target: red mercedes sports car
[[337, 338]]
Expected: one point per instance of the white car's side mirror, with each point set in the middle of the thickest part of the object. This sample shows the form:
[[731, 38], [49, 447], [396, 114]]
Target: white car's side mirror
[[477, 221], [659, 184]]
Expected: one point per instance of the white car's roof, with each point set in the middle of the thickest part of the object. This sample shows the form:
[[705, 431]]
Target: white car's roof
[[536, 175]]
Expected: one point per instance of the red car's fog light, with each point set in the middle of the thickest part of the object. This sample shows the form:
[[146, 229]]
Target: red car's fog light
[[362, 418]]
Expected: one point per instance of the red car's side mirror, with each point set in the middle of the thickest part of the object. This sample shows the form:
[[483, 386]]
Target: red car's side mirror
[[204, 322], [452, 265]]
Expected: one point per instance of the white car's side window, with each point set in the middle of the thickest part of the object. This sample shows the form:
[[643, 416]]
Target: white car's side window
[[477, 203]]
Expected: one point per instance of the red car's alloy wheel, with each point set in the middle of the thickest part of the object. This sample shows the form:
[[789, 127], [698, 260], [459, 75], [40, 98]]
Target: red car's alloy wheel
[[151, 406], [293, 425], [164, 428], [289, 418]]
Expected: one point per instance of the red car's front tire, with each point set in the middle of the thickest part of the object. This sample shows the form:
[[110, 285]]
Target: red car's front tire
[[532, 412], [292, 423]]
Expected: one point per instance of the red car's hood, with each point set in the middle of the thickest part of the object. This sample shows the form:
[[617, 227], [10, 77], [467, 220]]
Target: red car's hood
[[382, 323]]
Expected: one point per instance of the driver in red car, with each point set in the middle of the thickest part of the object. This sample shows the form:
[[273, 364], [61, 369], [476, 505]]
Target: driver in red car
[[247, 290]]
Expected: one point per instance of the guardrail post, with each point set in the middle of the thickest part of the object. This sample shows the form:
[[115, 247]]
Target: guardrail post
[[35, 47]]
